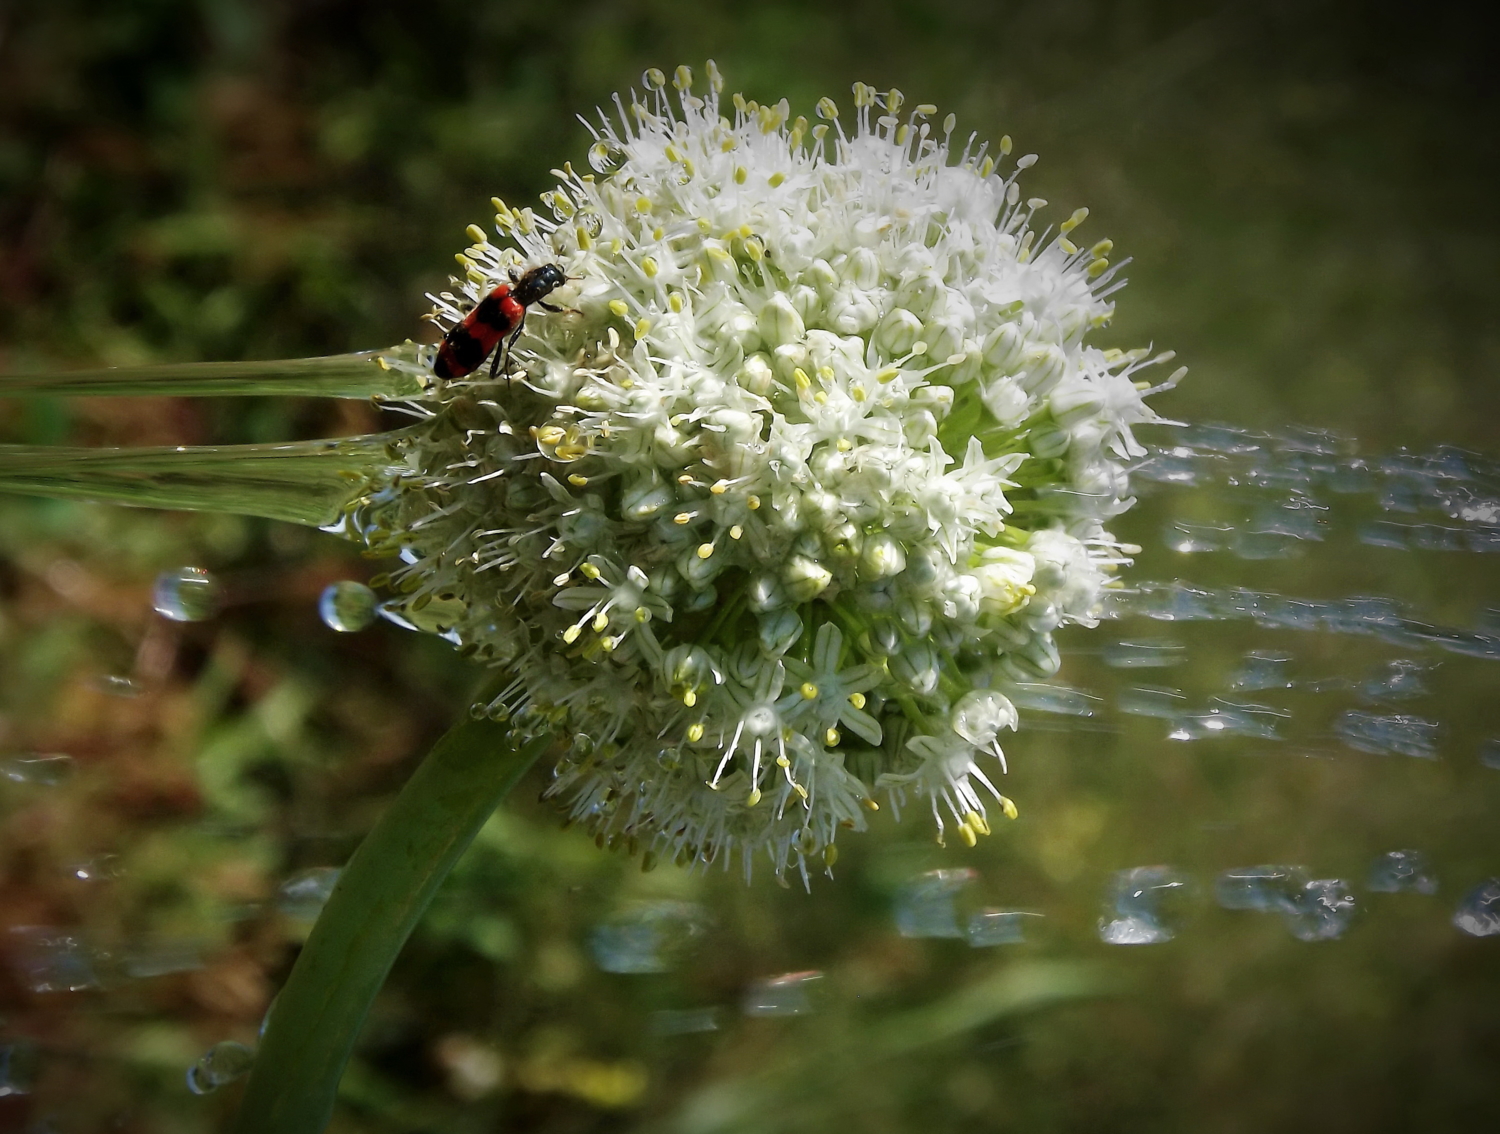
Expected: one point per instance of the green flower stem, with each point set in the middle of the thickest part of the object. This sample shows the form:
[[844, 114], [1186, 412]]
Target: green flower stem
[[379, 897], [358, 375], [308, 482]]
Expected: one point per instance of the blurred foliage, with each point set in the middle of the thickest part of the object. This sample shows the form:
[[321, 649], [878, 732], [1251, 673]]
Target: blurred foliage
[[1306, 188]]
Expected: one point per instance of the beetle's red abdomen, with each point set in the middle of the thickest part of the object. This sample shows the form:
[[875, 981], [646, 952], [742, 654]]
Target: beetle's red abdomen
[[470, 343]]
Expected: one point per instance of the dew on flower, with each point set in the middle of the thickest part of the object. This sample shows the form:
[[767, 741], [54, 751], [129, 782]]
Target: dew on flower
[[1400, 680], [927, 905], [1323, 910], [1136, 912], [1144, 654], [794, 471], [991, 927], [1224, 718], [302, 896], [1261, 670], [1401, 872], [1478, 914], [223, 1063], [347, 606], [789, 994], [1190, 539], [1152, 701], [186, 594], [1263, 889]]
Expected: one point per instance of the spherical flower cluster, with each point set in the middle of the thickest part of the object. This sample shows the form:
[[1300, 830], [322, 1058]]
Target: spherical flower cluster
[[812, 464]]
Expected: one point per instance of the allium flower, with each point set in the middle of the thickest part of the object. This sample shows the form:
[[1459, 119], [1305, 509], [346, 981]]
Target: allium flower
[[814, 463]]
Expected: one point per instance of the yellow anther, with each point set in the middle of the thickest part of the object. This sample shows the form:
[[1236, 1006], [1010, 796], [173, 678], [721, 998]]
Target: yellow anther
[[966, 833], [800, 790], [719, 487], [894, 101], [550, 434], [832, 738], [843, 444], [987, 167], [585, 238], [752, 502], [870, 805], [683, 518], [601, 621], [618, 307], [902, 133], [740, 174], [728, 144], [463, 261], [674, 301], [830, 855], [1066, 245], [736, 532], [654, 79], [1009, 807], [783, 762], [705, 550], [498, 205], [559, 580], [821, 398], [658, 232], [382, 363], [577, 480], [745, 232], [1078, 217], [827, 108], [1098, 266], [809, 691], [799, 376], [684, 478], [643, 204], [775, 179], [642, 328], [755, 249], [978, 822], [926, 109], [1103, 248], [887, 375], [648, 267], [857, 700], [695, 732], [753, 798], [641, 615], [589, 571], [1005, 144], [682, 78], [475, 233], [570, 635], [739, 102], [858, 393], [689, 698]]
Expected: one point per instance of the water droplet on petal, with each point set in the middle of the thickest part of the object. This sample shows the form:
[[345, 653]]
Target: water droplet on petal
[[52, 960], [927, 905], [784, 995], [188, 594], [1136, 898], [1154, 654], [45, 769], [1323, 911], [222, 1063], [998, 927], [347, 606]]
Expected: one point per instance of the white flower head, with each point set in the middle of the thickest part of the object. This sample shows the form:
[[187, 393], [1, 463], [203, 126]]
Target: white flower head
[[815, 456]]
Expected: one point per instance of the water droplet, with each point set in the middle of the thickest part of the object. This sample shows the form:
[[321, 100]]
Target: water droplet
[[1152, 701], [223, 1063], [1263, 889], [784, 995], [1262, 671], [684, 1021], [998, 927], [302, 896], [1324, 909], [1135, 899], [1227, 719], [1266, 545], [102, 869], [1153, 654], [1401, 680], [188, 594], [44, 769], [1043, 698], [927, 906], [1401, 872], [52, 960], [1189, 539], [160, 958], [1386, 736], [1489, 753], [1478, 914], [648, 937], [347, 606]]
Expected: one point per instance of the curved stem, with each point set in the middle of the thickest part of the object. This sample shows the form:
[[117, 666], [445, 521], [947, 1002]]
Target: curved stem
[[379, 897], [307, 482], [392, 373]]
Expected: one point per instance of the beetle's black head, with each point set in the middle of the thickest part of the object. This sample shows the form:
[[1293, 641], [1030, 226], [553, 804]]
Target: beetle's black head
[[538, 284]]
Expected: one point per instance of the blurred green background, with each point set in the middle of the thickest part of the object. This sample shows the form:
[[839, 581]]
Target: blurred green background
[[1307, 189]]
